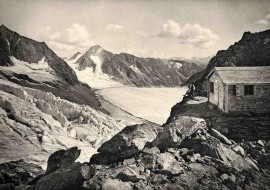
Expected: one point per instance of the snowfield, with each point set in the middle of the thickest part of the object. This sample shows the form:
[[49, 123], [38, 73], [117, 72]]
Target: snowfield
[[153, 104], [40, 71]]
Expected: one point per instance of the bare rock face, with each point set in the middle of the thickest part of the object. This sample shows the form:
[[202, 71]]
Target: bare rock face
[[176, 131], [125, 144], [62, 158], [18, 172], [31, 51], [69, 177], [63, 172]]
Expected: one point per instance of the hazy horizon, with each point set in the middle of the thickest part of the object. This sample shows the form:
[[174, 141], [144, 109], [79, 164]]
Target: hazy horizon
[[144, 28]]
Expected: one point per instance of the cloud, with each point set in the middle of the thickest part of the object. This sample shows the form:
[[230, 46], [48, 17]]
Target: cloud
[[75, 35], [114, 27], [265, 21], [193, 34], [170, 29], [262, 21]]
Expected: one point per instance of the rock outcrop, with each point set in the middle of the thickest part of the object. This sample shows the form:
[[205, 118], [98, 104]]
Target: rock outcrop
[[193, 160], [17, 173], [125, 144]]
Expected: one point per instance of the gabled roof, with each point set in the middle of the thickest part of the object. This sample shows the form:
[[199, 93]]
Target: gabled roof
[[246, 75]]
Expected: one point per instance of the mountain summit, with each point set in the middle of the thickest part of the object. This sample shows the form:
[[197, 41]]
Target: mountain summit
[[16, 47], [135, 71]]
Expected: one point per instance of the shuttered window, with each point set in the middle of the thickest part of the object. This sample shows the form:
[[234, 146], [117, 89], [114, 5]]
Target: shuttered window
[[249, 90], [232, 90], [212, 87]]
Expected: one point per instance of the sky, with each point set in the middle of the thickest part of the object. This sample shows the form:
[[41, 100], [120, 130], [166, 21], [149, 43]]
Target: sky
[[150, 28]]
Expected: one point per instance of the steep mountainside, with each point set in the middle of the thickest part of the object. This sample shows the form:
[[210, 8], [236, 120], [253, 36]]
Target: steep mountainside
[[252, 50], [24, 49], [33, 64], [131, 70], [73, 58]]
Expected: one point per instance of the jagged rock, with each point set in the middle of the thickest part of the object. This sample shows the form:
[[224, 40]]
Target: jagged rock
[[115, 184], [62, 158], [65, 178], [219, 136], [176, 131], [18, 172], [127, 174], [125, 144], [239, 150], [159, 179], [164, 163], [215, 149], [63, 172], [260, 143]]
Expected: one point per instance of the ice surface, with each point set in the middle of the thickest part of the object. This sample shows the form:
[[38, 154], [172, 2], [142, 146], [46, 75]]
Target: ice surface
[[153, 104], [96, 81], [26, 112], [135, 69], [40, 71]]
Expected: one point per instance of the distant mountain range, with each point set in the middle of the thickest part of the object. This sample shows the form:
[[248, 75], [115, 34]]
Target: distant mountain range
[[135, 71], [252, 50], [198, 60]]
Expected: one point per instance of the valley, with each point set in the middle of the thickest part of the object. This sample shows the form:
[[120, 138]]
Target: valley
[[152, 104], [113, 116]]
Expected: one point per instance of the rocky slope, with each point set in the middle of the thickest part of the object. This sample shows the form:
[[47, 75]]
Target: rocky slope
[[33, 64], [252, 50], [183, 154], [131, 70]]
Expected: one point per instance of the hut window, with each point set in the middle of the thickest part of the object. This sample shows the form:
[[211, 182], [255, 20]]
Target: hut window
[[212, 87], [232, 90], [249, 90]]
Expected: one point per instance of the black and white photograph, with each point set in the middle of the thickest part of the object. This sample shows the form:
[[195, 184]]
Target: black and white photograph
[[134, 94]]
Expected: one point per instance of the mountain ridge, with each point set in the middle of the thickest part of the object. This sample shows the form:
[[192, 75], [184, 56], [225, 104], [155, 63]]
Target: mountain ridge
[[136, 71]]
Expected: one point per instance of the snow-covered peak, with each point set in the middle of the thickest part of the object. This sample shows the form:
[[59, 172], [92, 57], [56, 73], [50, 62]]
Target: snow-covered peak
[[96, 50], [73, 59]]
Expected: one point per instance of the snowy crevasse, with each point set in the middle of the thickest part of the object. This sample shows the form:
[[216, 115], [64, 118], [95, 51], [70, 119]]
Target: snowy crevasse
[[62, 123]]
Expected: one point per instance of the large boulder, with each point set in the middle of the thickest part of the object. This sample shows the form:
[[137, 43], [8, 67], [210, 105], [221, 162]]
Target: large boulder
[[125, 144], [66, 178], [176, 131], [213, 147], [18, 172], [63, 172], [62, 158]]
